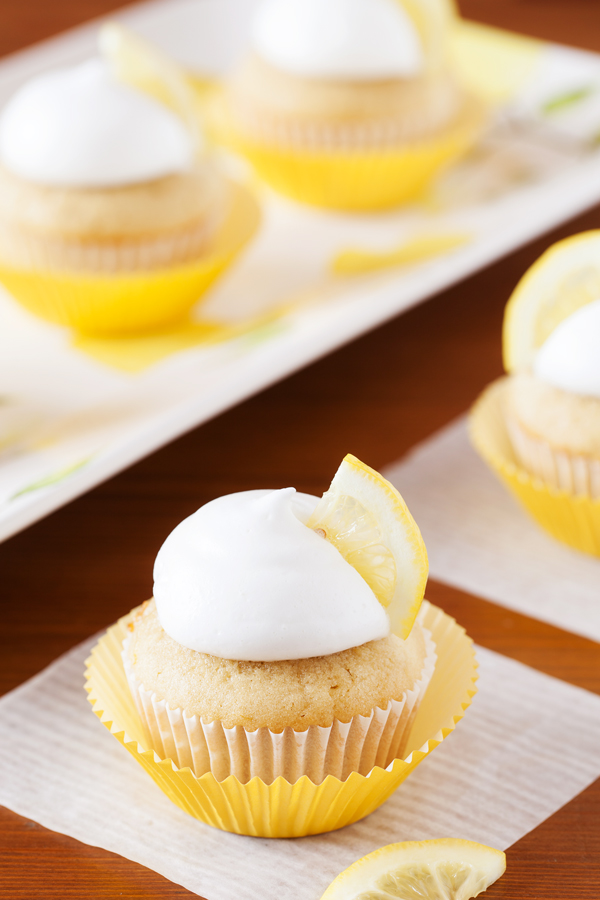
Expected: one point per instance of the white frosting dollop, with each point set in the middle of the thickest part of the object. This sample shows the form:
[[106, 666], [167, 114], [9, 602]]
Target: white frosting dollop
[[570, 357], [356, 40], [80, 127], [244, 578]]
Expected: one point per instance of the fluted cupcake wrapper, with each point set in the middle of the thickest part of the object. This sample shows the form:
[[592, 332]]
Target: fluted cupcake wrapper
[[537, 478], [571, 472], [346, 135], [284, 808], [347, 169], [344, 747], [58, 254], [112, 302]]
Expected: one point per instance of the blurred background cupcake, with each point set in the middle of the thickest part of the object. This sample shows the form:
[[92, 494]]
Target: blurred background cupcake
[[97, 176], [540, 426], [111, 212], [349, 103], [553, 412]]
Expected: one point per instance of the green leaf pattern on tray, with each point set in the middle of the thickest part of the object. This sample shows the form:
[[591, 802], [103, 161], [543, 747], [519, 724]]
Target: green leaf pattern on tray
[[561, 102], [53, 478]]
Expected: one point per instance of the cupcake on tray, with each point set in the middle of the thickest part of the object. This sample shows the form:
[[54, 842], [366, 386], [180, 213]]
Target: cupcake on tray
[[348, 104], [112, 217], [549, 406], [284, 658]]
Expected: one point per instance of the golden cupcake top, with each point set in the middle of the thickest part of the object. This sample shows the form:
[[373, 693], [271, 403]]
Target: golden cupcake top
[[290, 693], [130, 211]]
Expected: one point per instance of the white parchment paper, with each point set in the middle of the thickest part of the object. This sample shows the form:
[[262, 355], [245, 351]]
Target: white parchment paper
[[527, 745], [480, 540]]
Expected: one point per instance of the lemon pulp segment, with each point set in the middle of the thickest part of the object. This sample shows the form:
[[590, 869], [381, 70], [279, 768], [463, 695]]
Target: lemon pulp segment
[[444, 869], [346, 523], [367, 520]]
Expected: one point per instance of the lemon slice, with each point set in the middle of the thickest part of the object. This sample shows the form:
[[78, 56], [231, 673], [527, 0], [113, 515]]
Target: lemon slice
[[564, 278], [445, 869], [433, 20], [367, 520], [141, 65]]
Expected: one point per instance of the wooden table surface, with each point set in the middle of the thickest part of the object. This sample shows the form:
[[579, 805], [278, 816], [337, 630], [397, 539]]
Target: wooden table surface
[[82, 567]]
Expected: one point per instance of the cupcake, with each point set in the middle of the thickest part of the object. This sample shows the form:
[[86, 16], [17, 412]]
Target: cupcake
[[100, 183], [285, 678], [540, 426], [553, 411], [265, 653], [99, 177], [350, 103]]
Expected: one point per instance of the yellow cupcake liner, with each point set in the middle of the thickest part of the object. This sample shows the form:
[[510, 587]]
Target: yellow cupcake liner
[[354, 179], [137, 302], [573, 519], [284, 809]]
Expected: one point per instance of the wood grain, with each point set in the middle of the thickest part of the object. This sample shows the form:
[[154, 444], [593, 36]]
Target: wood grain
[[82, 567]]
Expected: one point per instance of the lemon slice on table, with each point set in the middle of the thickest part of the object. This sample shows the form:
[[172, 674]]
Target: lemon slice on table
[[367, 520], [565, 278], [445, 869], [142, 65]]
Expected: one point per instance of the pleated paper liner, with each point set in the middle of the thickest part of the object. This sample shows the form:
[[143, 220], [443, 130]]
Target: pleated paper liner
[[571, 518], [284, 809], [571, 472], [137, 302], [352, 179], [344, 747]]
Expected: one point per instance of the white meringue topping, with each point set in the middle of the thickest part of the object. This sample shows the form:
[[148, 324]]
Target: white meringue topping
[[356, 40], [244, 578], [570, 357], [80, 127]]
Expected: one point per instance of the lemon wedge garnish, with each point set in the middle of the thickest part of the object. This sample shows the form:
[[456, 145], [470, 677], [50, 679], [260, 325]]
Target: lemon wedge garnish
[[367, 520], [445, 869], [564, 278], [138, 63]]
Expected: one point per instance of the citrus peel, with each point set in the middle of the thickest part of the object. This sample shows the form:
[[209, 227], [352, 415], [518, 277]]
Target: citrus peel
[[366, 519], [443, 869]]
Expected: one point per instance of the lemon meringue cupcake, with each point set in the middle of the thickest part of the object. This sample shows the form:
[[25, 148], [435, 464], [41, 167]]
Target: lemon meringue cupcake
[[539, 426], [284, 663], [351, 103], [99, 177], [553, 411], [287, 678], [112, 217]]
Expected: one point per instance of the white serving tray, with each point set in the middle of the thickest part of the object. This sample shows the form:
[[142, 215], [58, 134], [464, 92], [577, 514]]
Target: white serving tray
[[73, 421]]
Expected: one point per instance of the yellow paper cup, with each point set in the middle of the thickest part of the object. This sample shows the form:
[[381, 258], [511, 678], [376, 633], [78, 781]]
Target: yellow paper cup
[[573, 519], [354, 179], [124, 304], [284, 809]]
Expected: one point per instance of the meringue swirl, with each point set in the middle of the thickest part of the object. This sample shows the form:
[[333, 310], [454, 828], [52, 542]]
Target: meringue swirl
[[244, 578], [79, 127]]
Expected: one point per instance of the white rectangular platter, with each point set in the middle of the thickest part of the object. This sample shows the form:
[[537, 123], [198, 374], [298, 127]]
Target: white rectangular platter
[[70, 416]]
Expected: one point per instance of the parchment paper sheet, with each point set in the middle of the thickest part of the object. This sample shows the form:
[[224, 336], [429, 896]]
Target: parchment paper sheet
[[527, 745], [480, 540]]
